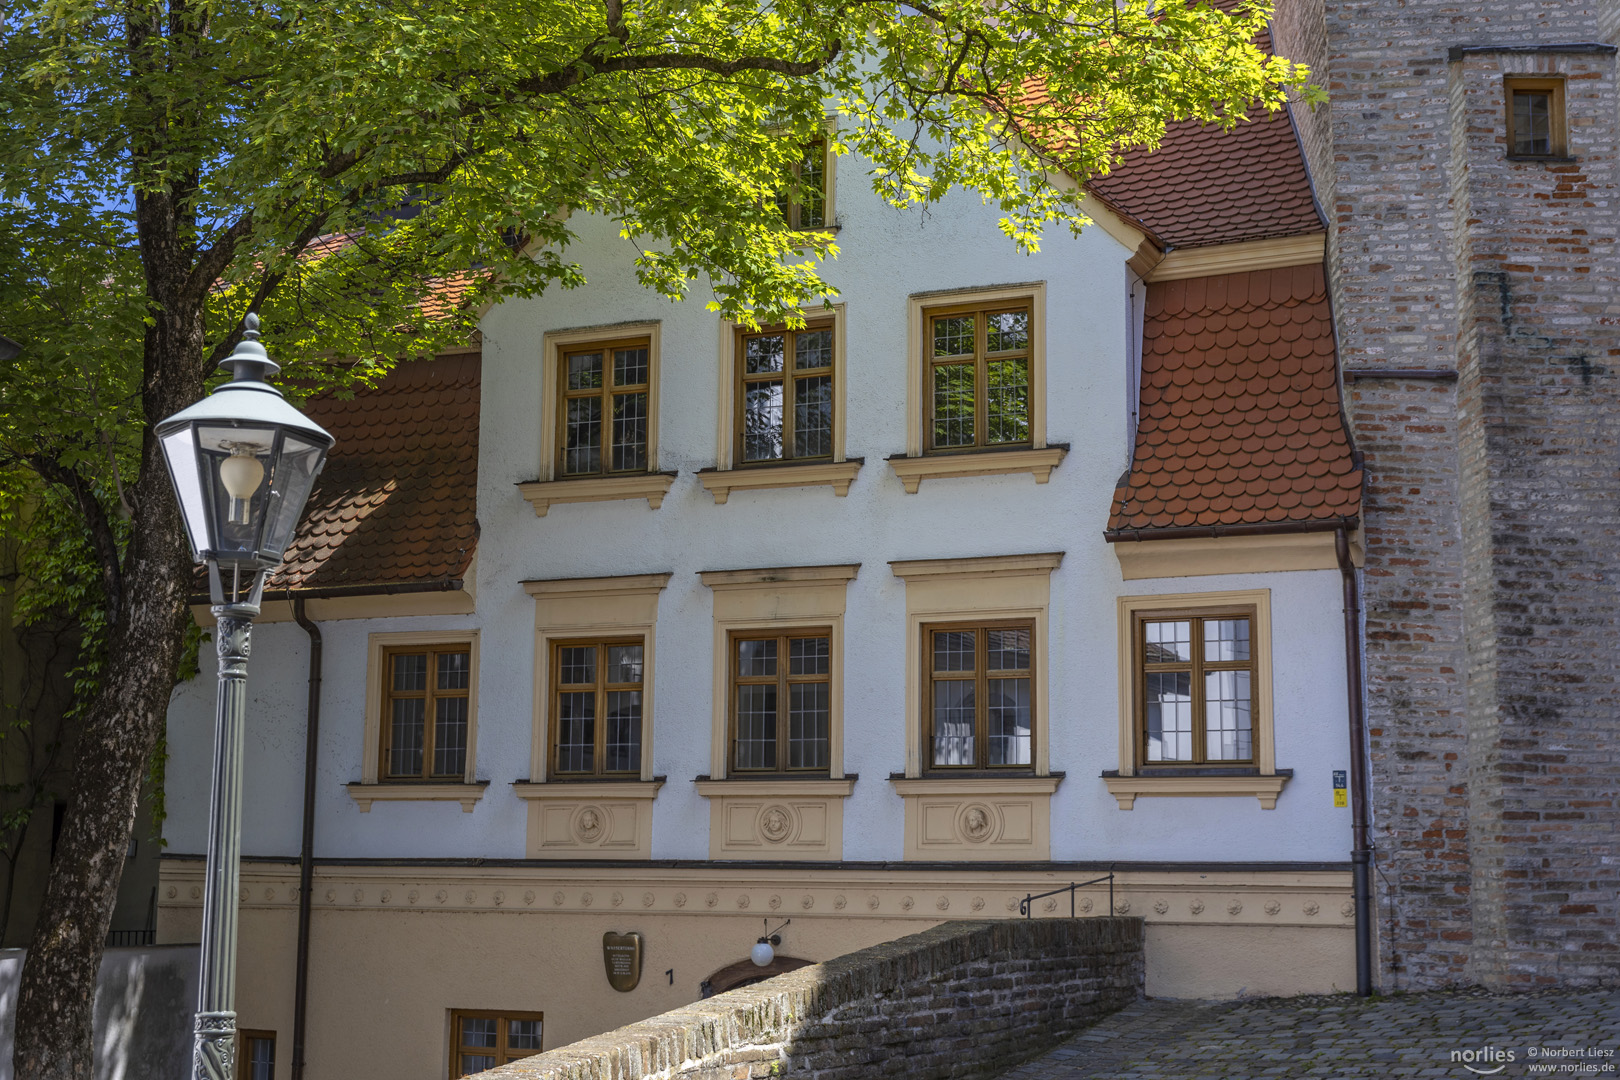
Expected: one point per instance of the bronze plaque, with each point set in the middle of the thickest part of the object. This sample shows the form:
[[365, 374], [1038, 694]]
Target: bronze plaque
[[621, 954]]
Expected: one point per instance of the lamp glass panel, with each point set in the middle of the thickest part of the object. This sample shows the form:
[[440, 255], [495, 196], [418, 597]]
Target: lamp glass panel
[[181, 454], [290, 484], [235, 541]]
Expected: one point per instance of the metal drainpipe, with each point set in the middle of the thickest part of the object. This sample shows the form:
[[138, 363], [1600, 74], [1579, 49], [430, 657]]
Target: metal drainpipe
[[1361, 850], [306, 853]]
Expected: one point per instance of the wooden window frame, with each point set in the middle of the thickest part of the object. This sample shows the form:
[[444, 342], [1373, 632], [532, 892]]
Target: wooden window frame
[[606, 392], [429, 695], [1558, 140], [981, 678], [245, 1036], [1196, 669], [982, 358], [501, 1052], [603, 688], [782, 680], [788, 376], [792, 208]]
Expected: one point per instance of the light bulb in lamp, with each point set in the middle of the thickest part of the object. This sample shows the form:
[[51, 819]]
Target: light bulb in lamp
[[241, 474]]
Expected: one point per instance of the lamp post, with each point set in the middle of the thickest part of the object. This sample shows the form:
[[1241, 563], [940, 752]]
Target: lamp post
[[243, 462]]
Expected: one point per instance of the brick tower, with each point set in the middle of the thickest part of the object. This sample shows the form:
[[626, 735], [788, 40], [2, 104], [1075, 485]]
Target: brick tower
[[1467, 167]]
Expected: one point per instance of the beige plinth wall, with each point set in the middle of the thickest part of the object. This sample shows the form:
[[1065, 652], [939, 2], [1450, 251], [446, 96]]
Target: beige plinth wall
[[395, 948]]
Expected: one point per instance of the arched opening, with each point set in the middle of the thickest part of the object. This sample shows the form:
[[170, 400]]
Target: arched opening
[[747, 973]]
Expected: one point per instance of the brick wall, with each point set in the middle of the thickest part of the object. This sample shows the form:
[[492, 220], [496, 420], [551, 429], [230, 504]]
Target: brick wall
[[1492, 540], [964, 999]]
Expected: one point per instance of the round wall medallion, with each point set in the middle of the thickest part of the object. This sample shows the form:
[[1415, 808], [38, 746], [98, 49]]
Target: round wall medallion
[[1348, 908], [241, 895], [173, 892], [943, 903], [647, 899], [472, 897], [976, 822], [839, 902], [387, 896], [807, 901], [196, 892], [557, 898], [1272, 907], [1235, 907], [907, 903], [1196, 907], [775, 902], [585, 899], [873, 901], [617, 898], [528, 897], [359, 895], [1121, 906], [269, 894], [1161, 906], [744, 900], [331, 895], [712, 899], [1050, 905], [1312, 907], [680, 899], [500, 897], [977, 904], [442, 896], [413, 896], [775, 823], [589, 824], [1085, 903]]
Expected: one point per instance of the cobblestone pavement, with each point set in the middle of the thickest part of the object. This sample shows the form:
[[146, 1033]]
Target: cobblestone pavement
[[1340, 1037]]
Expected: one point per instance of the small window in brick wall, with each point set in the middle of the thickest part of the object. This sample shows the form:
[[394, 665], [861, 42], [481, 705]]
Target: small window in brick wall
[[1535, 118]]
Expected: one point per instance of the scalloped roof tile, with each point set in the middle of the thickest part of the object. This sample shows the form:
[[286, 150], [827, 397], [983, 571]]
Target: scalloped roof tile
[[1233, 432]]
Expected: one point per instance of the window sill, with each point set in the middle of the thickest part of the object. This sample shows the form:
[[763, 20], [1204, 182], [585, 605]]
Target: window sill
[[782, 784], [1549, 159], [837, 475], [465, 794], [575, 789], [977, 783], [543, 494], [1198, 783], [912, 471]]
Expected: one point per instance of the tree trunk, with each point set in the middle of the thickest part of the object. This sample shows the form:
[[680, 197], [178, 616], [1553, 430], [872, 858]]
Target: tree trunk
[[55, 1005]]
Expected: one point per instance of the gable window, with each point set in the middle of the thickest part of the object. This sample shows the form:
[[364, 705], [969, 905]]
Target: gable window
[[785, 395], [803, 202], [979, 708], [427, 698], [1535, 117], [978, 381], [1195, 680], [597, 708], [604, 408], [486, 1040], [781, 701]]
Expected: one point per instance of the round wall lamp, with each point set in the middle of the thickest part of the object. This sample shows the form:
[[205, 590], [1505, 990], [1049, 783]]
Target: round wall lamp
[[764, 951]]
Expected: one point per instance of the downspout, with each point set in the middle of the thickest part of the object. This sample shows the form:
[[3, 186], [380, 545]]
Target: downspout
[[1361, 851], [306, 851]]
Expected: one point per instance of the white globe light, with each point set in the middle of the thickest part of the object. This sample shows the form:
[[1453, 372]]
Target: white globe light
[[762, 954]]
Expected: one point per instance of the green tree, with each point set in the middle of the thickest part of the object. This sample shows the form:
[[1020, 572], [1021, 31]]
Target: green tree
[[168, 165]]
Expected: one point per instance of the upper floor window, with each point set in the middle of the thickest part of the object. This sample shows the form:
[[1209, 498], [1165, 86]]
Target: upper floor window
[[603, 426], [978, 380], [1535, 117], [427, 713], [781, 701], [1196, 675], [979, 707], [803, 200], [785, 394], [597, 708]]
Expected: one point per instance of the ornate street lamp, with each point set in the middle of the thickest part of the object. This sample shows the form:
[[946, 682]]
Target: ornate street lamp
[[243, 461]]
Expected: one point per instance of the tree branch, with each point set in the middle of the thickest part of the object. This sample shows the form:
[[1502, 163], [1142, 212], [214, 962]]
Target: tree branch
[[102, 539]]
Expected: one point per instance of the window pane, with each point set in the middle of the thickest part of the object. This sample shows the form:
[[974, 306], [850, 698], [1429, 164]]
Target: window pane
[[582, 441], [953, 336], [808, 656], [624, 664], [261, 1055], [1226, 639], [410, 672], [763, 354], [1007, 713], [1168, 642], [450, 736], [405, 737], [623, 749], [1532, 122], [812, 416], [523, 1035], [953, 721], [1227, 725], [576, 732], [813, 187], [756, 658], [953, 405], [756, 725], [1169, 716], [479, 1031], [629, 369], [762, 421], [455, 670], [1008, 401], [1007, 331], [576, 665], [953, 650], [812, 349], [585, 371], [476, 1063], [807, 725], [629, 432], [1009, 650]]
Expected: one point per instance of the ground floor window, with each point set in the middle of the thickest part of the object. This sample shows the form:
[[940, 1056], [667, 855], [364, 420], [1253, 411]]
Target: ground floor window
[[484, 1040], [256, 1053]]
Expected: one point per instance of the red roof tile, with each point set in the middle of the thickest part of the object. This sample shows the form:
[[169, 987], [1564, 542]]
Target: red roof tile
[[1240, 421], [397, 501]]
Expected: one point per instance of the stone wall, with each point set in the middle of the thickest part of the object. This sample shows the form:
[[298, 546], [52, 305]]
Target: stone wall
[[964, 999]]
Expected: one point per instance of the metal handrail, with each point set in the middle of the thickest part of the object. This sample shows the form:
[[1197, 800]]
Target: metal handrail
[[1026, 905]]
